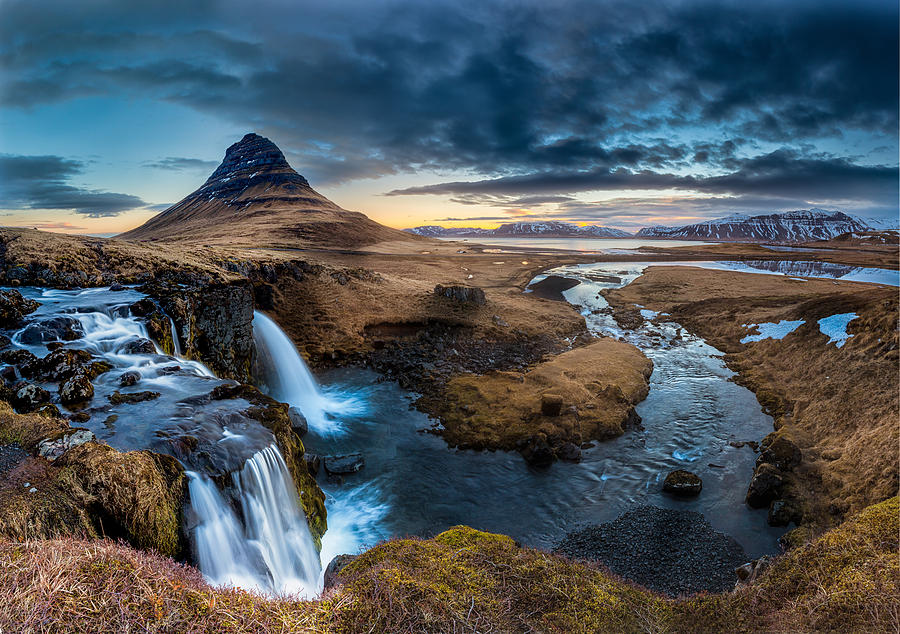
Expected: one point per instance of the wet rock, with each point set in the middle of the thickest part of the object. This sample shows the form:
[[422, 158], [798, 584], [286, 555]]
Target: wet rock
[[49, 410], [14, 307], [765, 486], [58, 366], [139, 346], [344, 464], [53, 448], [298, 421], [551, 405], [537, 452], [60, 328], [334, 568], [8, 374], [127, 379], [780, 513], [142, 307], [77, 389], [461, 293], [569, 452], [4, 342], [779, 450], [80, 417], [683, 483], [29, 397], [115, 288], [313, 463], [751, 571], [54, 345], [118, 398], [17, 356]]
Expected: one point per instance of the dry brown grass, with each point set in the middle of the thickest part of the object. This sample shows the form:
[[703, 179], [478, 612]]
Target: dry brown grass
[[460, 581], [599, 383]]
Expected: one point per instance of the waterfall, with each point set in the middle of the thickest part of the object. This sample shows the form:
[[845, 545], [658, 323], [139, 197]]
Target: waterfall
[[176, 345], [272, 549], [280, 372]]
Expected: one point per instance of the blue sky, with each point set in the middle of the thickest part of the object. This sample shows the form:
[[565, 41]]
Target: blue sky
[[467, 113]]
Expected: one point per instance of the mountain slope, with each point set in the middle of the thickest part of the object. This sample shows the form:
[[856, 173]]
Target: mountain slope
[[791, 226], [255, 198], [548, 229]]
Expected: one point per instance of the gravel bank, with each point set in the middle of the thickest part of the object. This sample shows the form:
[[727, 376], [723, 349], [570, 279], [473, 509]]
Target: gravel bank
[[670, 551]]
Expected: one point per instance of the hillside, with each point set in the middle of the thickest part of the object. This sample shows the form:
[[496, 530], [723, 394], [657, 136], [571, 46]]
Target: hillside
[[256, 198], [791, 226]]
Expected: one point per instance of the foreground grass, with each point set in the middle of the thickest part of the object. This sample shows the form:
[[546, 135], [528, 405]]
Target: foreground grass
[[462, 580]]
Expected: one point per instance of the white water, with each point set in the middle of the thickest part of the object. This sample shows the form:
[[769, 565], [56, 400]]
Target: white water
[[252, 535], [282, 374], [272, 549], [176, 345]]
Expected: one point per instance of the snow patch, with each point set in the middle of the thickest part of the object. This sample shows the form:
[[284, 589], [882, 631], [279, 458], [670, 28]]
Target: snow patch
[[770, 330], [835, 328]]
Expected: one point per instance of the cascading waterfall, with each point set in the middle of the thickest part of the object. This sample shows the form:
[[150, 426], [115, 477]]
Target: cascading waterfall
[[272, 550], [254, 533], [282, 374]]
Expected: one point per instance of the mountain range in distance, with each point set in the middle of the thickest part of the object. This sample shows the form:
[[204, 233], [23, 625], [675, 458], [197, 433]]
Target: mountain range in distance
[[792, 226]]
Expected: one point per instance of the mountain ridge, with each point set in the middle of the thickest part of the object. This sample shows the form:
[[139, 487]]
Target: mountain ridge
[[542, 229]]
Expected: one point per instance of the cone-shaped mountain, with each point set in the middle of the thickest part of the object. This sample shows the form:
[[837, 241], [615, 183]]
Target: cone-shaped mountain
[[256, 198]]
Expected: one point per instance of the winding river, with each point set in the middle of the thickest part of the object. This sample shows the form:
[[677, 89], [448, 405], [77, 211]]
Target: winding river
[[244, 517]]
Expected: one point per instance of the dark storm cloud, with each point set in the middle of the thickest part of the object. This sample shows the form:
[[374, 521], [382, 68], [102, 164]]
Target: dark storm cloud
[[42, 182], [782, 173], [615, 94], [180, 163]]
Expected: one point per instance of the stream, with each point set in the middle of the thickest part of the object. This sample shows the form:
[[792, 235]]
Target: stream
[[246, 526]]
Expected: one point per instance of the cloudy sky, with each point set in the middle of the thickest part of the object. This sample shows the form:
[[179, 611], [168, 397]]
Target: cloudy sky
[[467, 113]]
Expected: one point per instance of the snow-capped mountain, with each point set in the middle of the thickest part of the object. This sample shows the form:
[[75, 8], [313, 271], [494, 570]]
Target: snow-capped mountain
[[792, 226], [549, 229]]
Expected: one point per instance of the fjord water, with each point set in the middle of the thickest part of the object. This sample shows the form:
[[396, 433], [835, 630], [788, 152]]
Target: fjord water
[[251, 534]]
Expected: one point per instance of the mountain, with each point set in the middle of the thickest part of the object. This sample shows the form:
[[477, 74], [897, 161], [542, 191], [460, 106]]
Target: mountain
[[549, 229], [791, 226], [255, 197]]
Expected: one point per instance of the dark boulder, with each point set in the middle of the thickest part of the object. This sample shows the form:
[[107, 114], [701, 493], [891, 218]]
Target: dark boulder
[[9, 375], [28, 397], [779, 450], [344, 464], [61, 328], [142, 307], [537, 452], [781, 513], [313, 462], [139, 346], [14, 307], [118, 398], [298, 421], [127, 379], [765, 486], [683, 483], [17, 356], [115, 288], [334, 568], [77, 389], [461, 293], [57, 366], [569, 452]]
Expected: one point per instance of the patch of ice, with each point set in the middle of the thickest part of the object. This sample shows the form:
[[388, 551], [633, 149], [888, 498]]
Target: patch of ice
[[770, 330], [648, 314], [835, 328]]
